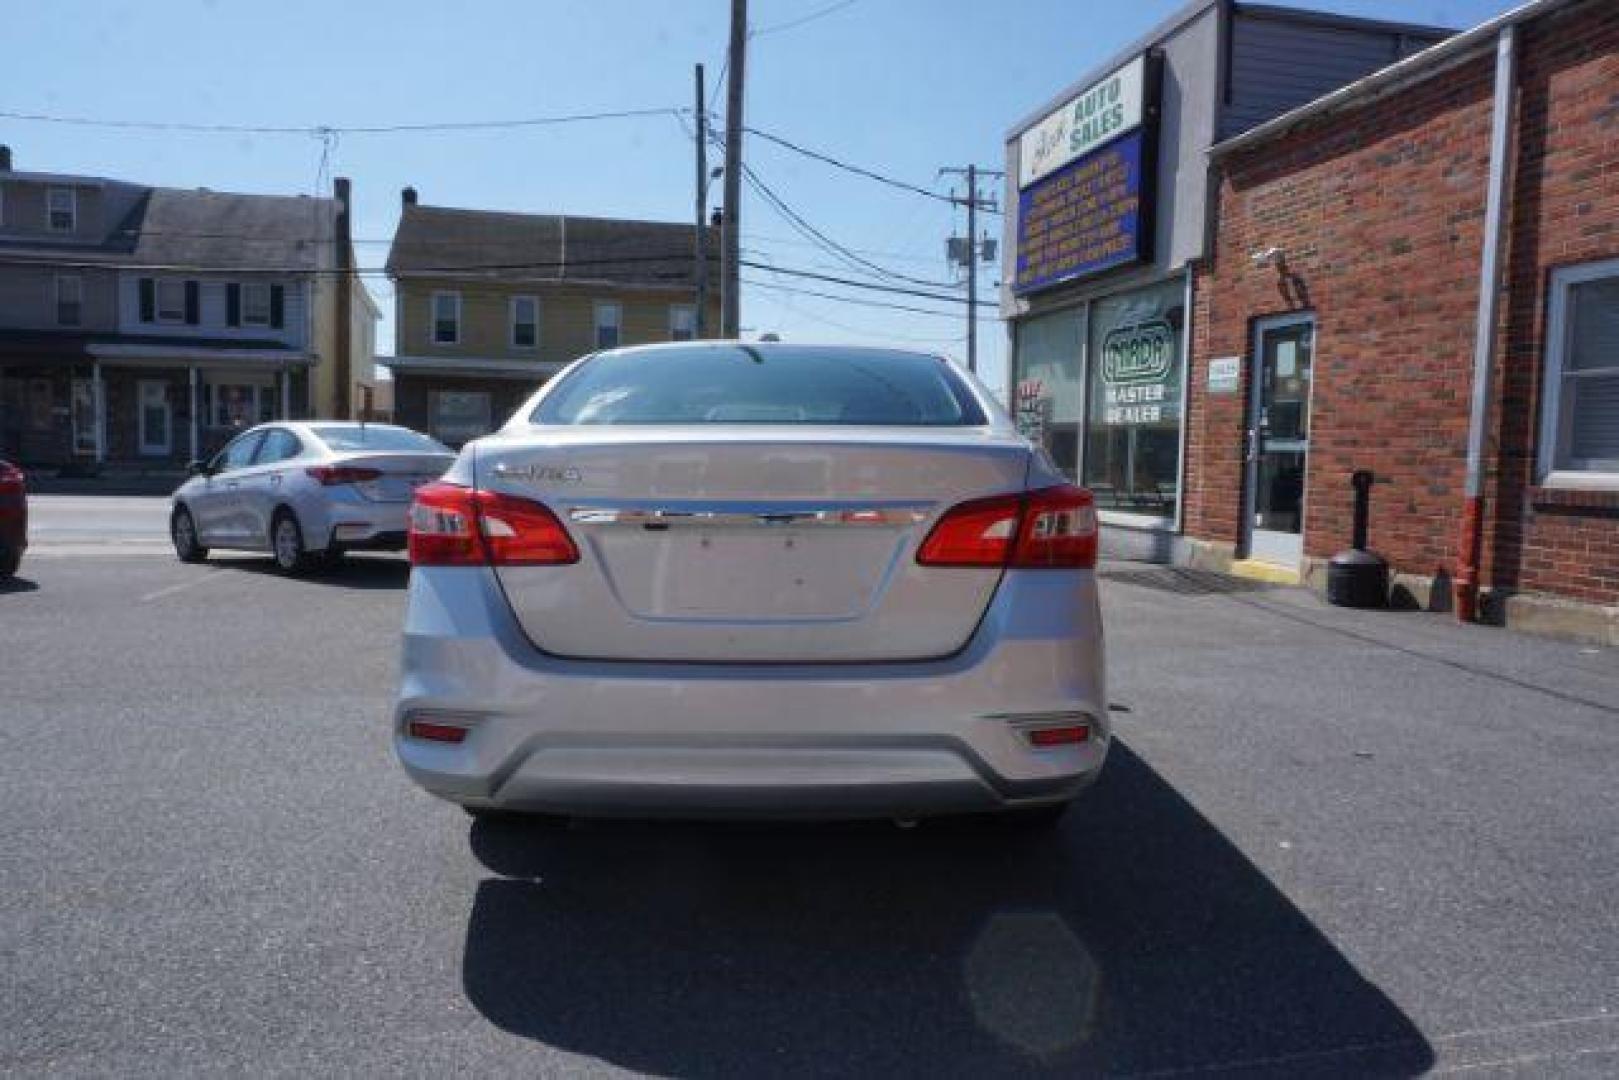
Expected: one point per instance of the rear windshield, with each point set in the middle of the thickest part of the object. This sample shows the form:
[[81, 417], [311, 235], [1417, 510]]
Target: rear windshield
[[731, 384], [365, 437]]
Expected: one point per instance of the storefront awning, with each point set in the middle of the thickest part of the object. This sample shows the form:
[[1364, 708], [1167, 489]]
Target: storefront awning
[[199, 355], [471, 366]]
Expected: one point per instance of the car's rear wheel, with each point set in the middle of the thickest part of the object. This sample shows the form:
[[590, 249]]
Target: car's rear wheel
[[183, 530], [287, 544]]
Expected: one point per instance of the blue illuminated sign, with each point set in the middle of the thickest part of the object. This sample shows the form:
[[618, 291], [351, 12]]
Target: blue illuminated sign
[[1086, 217]]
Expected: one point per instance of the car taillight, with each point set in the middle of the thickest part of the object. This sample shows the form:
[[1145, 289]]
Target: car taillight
[[451, 525], [333, 475], [977, 533], [1059, 529], [1052, 528]]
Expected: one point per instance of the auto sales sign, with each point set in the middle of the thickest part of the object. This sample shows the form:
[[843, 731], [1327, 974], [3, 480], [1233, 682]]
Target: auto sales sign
[[1086, 181], [1100, 113]]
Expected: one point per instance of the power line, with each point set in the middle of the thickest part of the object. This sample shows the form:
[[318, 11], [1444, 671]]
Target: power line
[[858, 170], [895, 289], [902, 256], [791, 24], [681, 277], [326, 130], [825, 320], [858, 301], [859, 262], [293, 270]]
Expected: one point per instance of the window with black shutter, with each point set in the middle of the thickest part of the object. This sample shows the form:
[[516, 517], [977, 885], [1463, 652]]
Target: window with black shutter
[[193, 303], [148, 299], [233, 304], [278, 306]]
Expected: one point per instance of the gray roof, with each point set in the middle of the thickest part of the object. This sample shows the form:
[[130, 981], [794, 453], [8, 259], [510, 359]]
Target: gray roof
[[198, 229], [549, 247], [219, 230]]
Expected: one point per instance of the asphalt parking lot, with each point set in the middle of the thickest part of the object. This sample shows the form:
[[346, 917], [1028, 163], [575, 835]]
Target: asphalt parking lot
[[1327, 843]]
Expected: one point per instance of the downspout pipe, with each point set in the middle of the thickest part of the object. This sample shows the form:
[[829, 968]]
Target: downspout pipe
[[1470, 541]]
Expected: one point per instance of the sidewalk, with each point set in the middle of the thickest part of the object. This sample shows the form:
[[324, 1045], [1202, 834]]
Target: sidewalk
[[121, 481]]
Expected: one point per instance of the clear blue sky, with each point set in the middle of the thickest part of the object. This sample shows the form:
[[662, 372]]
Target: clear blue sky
[[902, 86]]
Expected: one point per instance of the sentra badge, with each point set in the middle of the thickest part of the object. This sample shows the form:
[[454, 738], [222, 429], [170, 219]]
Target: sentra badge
[[540, 474]]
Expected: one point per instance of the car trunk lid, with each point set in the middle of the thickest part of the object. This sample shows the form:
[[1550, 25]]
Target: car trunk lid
[[750, 544], [401, 474]]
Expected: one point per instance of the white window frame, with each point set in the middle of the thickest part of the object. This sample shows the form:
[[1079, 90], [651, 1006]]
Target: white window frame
[[77, 288], [511, 322], [1559, 327], [51, 211], [255, 288], [157, 300], [690, 311], [617, 324], [432, 317]]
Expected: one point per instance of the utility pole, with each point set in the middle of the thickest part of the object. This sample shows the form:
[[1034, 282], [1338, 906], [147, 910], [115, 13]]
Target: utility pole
[[972, 269], [968, 252], [700, 272], [733, 168]]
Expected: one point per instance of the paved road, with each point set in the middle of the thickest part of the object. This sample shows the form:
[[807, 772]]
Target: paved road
[[1328, 843]]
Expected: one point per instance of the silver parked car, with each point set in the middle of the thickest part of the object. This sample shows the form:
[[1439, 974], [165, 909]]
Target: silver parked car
[[710, 579], [305, 492]]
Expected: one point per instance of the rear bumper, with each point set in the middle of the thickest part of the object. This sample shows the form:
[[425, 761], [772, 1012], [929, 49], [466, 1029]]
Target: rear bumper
[[349, 522], [603, 738], [353, 539]]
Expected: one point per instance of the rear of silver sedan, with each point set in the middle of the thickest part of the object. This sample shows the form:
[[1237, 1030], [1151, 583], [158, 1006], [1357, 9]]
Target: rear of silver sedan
[[731, 608]]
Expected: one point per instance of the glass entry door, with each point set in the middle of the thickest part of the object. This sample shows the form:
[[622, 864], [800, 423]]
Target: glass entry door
[[1279, 438]]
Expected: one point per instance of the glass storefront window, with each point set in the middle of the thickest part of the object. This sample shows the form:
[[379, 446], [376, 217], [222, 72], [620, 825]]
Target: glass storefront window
[[1049, 397], [1132, 442], [239, 405]]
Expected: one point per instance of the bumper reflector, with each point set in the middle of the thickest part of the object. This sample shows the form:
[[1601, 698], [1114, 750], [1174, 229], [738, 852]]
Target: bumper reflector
[[434, 731], [1066, 735]]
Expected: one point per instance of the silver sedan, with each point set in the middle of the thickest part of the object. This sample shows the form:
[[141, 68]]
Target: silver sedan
[[305, 492], [722, 579]]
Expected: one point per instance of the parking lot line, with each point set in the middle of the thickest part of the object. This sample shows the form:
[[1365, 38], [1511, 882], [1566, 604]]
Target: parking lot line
[[181, 587]]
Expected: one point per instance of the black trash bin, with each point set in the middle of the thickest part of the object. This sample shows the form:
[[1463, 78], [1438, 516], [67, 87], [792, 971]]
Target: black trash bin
[[1357, 578]]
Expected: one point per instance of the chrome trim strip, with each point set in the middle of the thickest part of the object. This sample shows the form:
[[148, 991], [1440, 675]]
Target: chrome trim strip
[[839, 517]]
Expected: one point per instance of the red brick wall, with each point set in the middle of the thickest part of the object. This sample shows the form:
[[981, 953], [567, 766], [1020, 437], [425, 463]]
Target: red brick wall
[[1566, 212], [1380, 213]]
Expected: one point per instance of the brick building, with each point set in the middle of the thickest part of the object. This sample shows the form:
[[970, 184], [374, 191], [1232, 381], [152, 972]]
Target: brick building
[[1108, 207], [1339, 324]]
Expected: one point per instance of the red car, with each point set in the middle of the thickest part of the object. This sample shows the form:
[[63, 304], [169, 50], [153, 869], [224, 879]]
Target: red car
[[13, 518]]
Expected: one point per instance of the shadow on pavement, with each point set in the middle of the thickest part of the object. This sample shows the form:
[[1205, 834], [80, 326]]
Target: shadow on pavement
[[353, 572], [17, 584], [1136, 939]]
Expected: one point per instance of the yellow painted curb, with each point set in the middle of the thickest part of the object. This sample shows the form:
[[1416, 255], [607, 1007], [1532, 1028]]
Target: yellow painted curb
[[1255, 570]]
